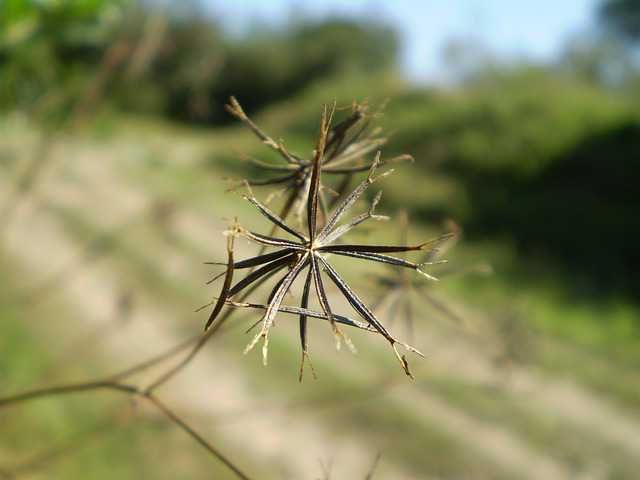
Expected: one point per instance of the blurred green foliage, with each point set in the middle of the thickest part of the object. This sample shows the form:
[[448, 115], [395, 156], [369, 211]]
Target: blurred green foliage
[[76, 53], [546, 156], [45, 48], [622, 16], [546, 159]]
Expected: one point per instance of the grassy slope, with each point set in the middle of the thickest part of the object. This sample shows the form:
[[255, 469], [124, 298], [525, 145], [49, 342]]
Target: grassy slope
[[572, 339], [592, 331], [155, 178]]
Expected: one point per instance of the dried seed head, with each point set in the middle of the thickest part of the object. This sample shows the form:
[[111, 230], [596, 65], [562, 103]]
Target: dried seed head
[[307, 251]]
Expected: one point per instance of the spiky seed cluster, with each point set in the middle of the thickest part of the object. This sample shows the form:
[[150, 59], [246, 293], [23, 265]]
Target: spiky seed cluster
[[400, 289], [348, 150], [308, 252]]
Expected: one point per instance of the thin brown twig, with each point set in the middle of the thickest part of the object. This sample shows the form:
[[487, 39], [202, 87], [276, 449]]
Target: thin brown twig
[[140, 367], [114, 383], [127, 389], [27, 180], [234, 108], [201, 340], [166, 376], [374, 467], [195, 435], [65, 390]]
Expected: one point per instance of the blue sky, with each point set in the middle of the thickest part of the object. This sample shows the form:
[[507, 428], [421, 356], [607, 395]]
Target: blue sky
[[512, 28]]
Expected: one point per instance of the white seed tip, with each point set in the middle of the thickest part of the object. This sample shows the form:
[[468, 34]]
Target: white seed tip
[[430, 277], [265, 350]]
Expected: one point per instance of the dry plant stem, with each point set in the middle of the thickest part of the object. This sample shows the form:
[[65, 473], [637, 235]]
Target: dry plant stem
[[114, 383], [326, 469], [196, 436], [67, 389], [236, 110], [128, 390], [374, 467], [149, 45], [110, 383], [165, 377], [156, 359], [28, 180], [113, 58], [197, 342], [443, 308], [284, 214], [408, 317], [168, 375]]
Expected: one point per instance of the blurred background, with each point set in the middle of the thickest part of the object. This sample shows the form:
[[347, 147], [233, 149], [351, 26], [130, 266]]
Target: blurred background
[[115, 159]]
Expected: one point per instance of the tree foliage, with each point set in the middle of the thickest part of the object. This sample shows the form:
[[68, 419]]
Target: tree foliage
[[622, 17], [177, 61]]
